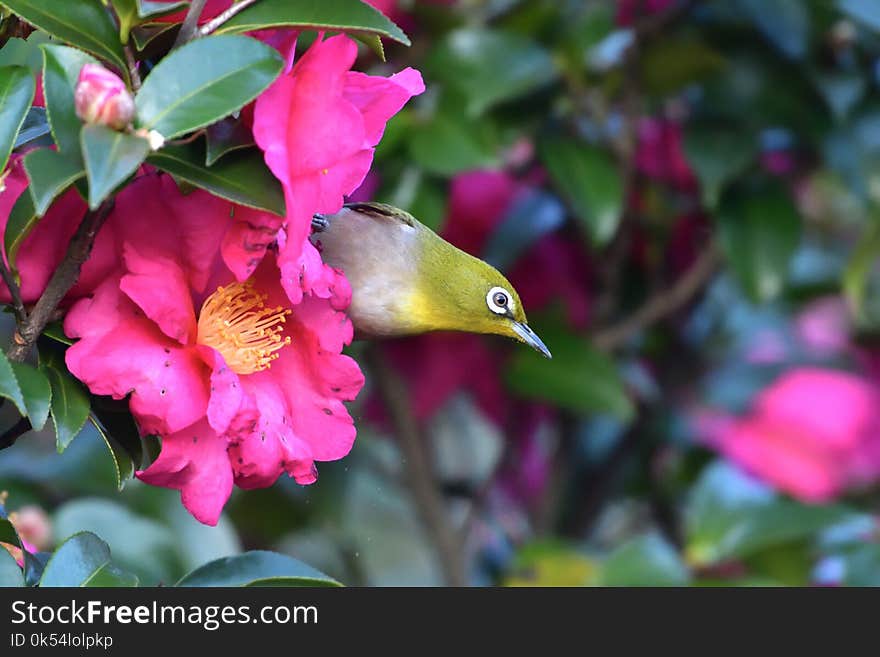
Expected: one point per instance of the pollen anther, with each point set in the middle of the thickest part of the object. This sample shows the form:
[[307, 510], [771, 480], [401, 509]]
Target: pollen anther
[[235, 321]]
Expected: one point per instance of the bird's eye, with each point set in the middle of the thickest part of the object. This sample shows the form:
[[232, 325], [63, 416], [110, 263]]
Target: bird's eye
[[499, 301]]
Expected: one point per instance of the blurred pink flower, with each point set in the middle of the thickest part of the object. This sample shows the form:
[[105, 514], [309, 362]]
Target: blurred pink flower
[[823, 326], [660, 154], [240, 383], [318, 126], [630, 10], [33, 527], [813, 433], [433, 377], [778, 162]]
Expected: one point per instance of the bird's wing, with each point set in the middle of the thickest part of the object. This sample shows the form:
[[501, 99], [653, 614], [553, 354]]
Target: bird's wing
[[384, 211]]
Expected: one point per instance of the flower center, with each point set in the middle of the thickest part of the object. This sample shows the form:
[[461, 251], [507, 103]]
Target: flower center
[[236, 322]]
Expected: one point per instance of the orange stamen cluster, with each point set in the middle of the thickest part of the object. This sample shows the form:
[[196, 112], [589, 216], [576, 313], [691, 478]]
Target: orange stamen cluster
[[236, 322]]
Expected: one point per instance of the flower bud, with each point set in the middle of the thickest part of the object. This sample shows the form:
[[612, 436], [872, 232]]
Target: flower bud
[[102, 98]]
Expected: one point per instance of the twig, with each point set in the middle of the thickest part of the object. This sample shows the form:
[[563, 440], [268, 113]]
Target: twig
[[186, 140], [419, 475], [220, 19], [14, 292], [62, 280], [663, 303], [132, 68], [190, 23]]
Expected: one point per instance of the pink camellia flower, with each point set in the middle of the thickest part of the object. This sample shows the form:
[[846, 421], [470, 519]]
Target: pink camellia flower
[[240, 383], [660, 154], [318, 126], [813, 433], [101, 97], [45, 246]]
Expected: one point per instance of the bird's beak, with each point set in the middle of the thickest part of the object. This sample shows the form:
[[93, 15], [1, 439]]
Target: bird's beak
[[531, 338]]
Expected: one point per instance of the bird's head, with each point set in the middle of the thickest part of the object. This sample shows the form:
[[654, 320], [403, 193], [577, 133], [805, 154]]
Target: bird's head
[[461, 293]]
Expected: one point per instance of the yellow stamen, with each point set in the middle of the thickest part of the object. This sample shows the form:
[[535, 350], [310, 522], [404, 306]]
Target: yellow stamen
[[236, 322]]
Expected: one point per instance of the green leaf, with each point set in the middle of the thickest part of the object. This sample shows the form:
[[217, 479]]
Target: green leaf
[[342, 15], [548, 562], [241, 177], [34, 127], [85, 24], [446, 146], [36, 392], [123, 441], [785, 24], [79, 559], [110, 576], [21, 52], [55, 331], [667, 65], [22, 219], [730, 516], [647, 560], [34, 564], [140, 544], [717, 155], [7, 530], [204, 81], [224, 137], [759, 234], [578, 377], [590, 181], [491, 66], [10, 571], [16, 96], [10, 388], [50, 173], [60, 73], [134, 12], [70, 403], [110, 158], [145, 35], [865, 12], [257, 568]]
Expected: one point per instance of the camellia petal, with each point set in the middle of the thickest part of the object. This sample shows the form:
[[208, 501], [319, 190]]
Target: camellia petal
[[318, 126], [122, 352], [195, 462]]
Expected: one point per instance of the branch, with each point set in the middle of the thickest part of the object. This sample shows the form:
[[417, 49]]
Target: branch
[[133, 73], [62, 280], [190, 23], [14, 291], [220, 19], [663, 303], [419, 475]]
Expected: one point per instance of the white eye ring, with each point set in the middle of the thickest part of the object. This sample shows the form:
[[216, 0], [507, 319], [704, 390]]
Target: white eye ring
[[494, 296]]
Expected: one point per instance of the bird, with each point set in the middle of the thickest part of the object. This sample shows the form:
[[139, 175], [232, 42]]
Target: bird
[[408, 280]]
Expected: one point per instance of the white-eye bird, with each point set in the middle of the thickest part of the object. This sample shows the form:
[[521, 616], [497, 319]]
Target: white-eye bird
[[406, 279]]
